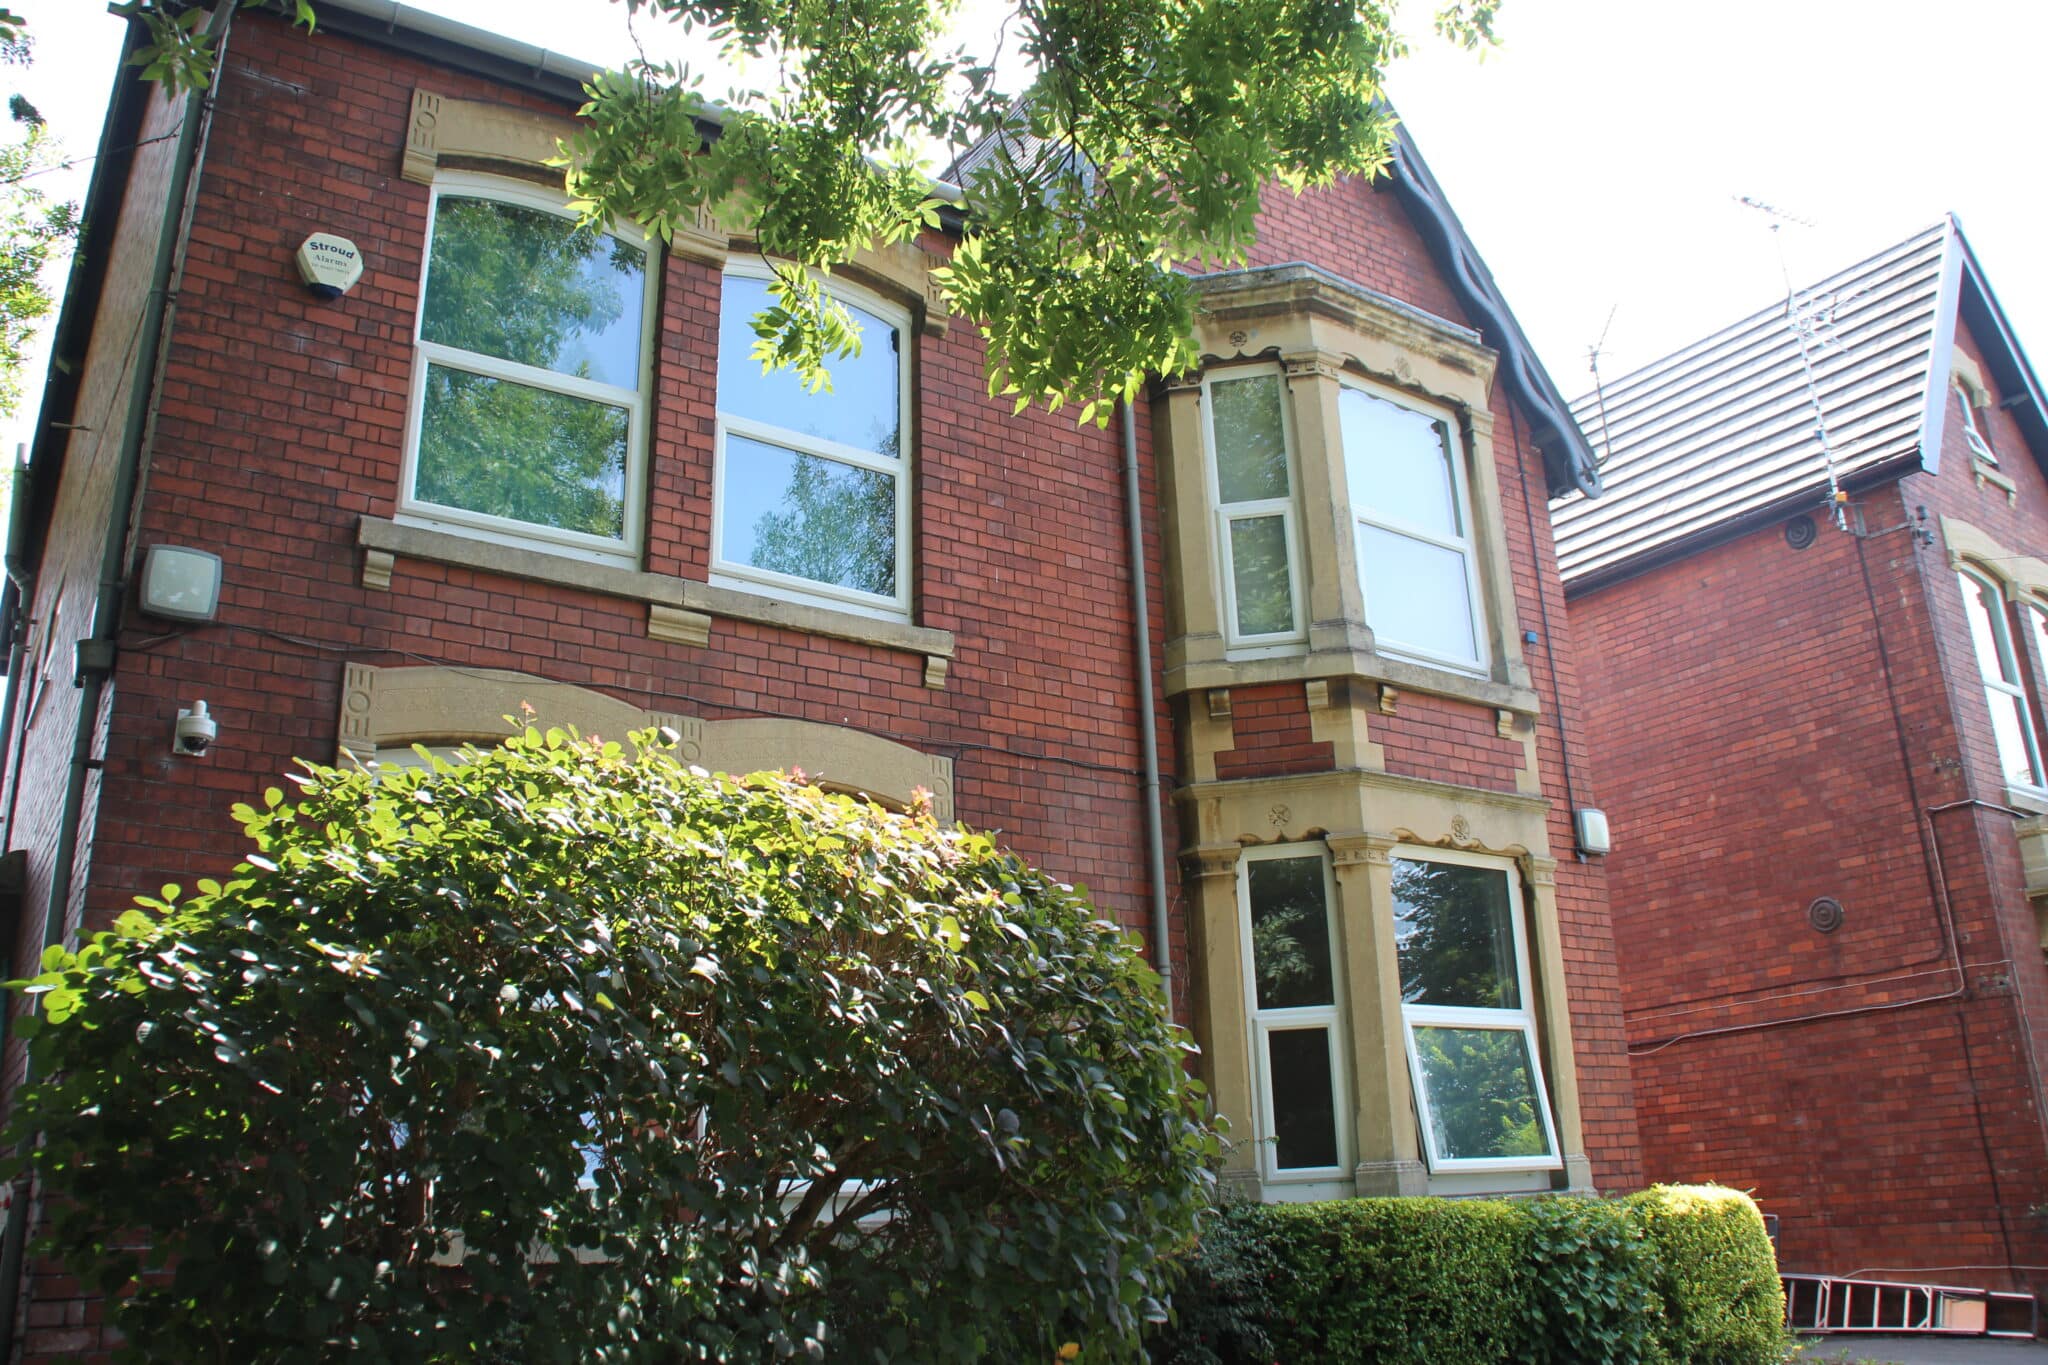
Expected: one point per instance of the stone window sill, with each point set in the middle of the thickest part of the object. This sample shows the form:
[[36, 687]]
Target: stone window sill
[[678, 609], [1207, 674]]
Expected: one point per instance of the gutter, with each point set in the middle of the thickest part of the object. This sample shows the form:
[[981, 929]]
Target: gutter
[[96, 654], [1148, 728]]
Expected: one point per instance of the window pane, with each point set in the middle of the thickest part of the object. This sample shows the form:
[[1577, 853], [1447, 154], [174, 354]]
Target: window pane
[[809, 517], [1982, 605], [2009, 725], [1258, 564], [1290, 932], [1251, 442], [1398, 463], [1416, 595], [859, 410], [2037, 619], [526, 285], [1480, 1092], [1304, 1109], [1456, 935], [492, 446]]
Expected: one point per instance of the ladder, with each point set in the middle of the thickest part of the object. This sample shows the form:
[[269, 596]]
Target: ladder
[[1826, 1303]]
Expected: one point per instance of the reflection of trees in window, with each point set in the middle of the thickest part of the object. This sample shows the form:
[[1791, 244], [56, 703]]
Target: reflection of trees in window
[[1482, 1100], [832, 523], [1456, 933], [1290, 933], [511, 286], [521, 284], [491, 446]]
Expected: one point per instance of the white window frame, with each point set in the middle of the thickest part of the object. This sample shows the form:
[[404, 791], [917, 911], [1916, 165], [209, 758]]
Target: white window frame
[[1973, 437], [1222, 514], [1521, 1020], [601, 549], [1260, 1023], [1465, 546], [748, 578], [2008, 668]]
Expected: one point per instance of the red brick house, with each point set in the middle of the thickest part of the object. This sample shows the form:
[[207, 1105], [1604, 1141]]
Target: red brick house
[[1318, 567], [1819, 743]]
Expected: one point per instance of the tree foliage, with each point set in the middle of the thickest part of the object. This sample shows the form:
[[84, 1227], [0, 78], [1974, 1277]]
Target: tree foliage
[[1139, 146], [569, 1052], [31, 226]]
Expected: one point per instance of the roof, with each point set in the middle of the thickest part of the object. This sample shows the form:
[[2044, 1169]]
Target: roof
[[1704, 442]]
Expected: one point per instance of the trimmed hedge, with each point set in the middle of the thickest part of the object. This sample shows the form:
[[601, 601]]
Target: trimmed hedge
[[1675, 1275]]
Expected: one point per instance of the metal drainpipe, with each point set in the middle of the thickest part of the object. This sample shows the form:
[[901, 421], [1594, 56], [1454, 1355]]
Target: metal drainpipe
[[1148, 730], [16, 601], [106, 625]]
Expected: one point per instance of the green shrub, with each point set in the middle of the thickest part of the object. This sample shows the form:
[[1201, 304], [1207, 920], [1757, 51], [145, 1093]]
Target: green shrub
[[1593, 1299], [617, 1031], [1716, 1273], [1437, 1282], [1672, 1276], [1223, 1296]]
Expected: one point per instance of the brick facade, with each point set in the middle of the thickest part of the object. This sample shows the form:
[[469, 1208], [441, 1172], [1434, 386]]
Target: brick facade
[[1770, 728], [279, 424]]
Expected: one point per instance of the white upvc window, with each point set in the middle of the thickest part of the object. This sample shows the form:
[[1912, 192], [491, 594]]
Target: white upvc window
[[528, 413], [1467, 1014], [1972, 436], [812, 490], [1412, 518], [1293, 998], [1248, 436], [2004, 694]]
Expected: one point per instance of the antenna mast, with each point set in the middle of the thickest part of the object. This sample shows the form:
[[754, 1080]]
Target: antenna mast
[[1811, 321]]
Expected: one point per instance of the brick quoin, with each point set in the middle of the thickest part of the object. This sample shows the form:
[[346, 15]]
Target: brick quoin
[[1749, 749], [280, 422]]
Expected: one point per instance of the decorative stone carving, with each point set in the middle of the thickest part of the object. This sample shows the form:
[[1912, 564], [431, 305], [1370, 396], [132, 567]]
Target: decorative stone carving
[[677, 625], [935, 671], [377, 567]]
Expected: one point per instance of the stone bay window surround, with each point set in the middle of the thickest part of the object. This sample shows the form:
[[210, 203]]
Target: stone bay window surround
[[1379, 972]]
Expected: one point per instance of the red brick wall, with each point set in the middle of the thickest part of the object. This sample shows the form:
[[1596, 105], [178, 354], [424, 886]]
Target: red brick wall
[[1746, 745]]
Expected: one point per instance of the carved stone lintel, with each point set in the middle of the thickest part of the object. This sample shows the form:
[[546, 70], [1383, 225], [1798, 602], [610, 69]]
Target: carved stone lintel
[[677, 625], [1389, 695], [377, 567], [935, 671], [355, 741], [1318, 693], [478, 130], [1189, 381], [704, 240], [937, 310], [422, 138], [1312, 365], [1219, 703], [1360, 850], [1212, 860]]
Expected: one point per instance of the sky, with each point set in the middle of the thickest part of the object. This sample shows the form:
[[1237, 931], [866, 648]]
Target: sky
[[1596, 157]]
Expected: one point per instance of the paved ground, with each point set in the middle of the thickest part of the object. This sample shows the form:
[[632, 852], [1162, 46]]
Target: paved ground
[[1858, 1347]]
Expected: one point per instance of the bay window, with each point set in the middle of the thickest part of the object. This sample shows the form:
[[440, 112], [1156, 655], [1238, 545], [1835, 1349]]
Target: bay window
[[1292, 996], [1251, 485], [812, 493], [1470, 1029], [529, 406], [1412, 520]]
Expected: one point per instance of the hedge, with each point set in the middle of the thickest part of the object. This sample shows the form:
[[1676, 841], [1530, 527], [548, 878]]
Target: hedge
[[1675, 1275]]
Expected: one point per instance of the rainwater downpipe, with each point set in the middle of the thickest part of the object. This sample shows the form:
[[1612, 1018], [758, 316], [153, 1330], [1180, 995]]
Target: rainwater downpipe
[[17, 598], [96, 651], [1148, 728]]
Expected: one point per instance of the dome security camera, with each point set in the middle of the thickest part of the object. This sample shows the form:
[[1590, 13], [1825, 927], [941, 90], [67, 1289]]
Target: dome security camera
[[195, 732]]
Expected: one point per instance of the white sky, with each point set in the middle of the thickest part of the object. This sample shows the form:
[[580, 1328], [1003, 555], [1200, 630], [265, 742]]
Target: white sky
[[1595, 158]]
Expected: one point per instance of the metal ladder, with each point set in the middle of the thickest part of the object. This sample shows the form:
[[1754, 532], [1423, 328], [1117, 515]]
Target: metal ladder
[[1825, 1303]]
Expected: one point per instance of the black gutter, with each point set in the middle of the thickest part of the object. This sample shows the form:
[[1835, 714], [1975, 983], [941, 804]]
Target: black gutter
[[1568, 459]]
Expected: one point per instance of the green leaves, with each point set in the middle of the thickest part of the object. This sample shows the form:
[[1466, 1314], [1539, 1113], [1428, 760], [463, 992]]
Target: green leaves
[[563, 998]]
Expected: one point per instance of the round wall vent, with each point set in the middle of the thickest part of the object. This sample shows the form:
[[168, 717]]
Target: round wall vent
[[1800, 532], [1825, 914]]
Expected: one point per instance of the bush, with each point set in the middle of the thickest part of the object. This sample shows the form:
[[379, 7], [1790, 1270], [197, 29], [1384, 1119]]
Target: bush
[[1673, 1276], [569, 1053], [1717, 1274]]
